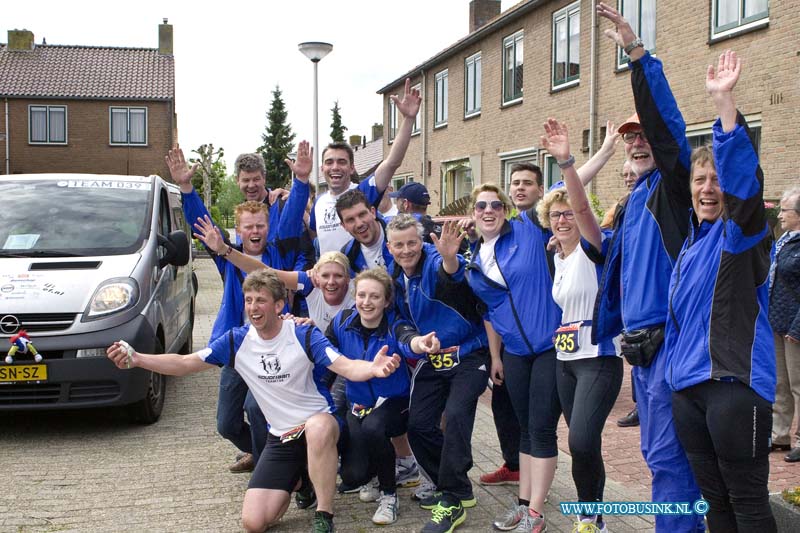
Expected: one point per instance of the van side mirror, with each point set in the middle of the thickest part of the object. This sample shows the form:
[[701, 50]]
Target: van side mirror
[[177, 249]]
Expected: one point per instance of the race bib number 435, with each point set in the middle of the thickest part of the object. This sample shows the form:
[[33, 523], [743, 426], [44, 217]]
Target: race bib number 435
[[445, 359]]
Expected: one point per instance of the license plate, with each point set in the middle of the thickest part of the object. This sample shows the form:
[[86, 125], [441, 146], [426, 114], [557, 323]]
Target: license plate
[[15, 373]]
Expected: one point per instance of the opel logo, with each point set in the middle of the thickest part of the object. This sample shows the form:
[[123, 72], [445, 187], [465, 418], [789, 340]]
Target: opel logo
[[9, 324]]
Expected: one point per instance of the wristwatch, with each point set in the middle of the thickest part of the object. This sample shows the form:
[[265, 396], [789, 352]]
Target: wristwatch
[[566, 163], [628, 48]]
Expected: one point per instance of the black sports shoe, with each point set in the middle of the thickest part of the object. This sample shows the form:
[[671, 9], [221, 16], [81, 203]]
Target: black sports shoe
[[305, 496], [323, 523], [445, 518], [629, 420]]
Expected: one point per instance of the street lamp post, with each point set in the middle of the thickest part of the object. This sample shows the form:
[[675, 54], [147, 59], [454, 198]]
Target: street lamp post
[[315, 51]]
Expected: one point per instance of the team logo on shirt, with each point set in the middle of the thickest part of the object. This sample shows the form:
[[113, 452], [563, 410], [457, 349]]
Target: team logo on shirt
[[330, 216], [271, 364]]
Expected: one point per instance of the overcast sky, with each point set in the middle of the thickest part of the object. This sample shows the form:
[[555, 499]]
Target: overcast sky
[[230, 55]]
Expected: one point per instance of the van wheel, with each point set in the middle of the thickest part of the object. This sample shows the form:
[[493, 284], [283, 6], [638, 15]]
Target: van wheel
[[148, 409]]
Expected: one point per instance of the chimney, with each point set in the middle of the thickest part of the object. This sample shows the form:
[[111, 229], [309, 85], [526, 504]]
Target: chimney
[[355, 141], [20, 40], [377, 131], [165, 39], [481, 12]]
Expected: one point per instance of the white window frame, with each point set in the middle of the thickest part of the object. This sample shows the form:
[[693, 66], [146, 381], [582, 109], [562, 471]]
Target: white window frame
[[622, 57], [416, 129], [392, 122], [742, 24], [128, 110], [507, 160], [565, 15], [511, 42], [47, 109], [705, 129], [399, 180], [440, 90], [472, 85]]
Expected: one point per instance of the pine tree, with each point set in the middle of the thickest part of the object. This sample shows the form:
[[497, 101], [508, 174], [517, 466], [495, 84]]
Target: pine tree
[[337, 128], [277, 142]]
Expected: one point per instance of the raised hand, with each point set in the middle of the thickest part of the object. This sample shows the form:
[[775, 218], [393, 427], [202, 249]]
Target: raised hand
[[411, 102], [556, 139], [450, 240], [206, 231], [612, 138], [467, 227], [426, 343], [304, 163], [623, 33], [384, 365], [179, 169], [724, 79]]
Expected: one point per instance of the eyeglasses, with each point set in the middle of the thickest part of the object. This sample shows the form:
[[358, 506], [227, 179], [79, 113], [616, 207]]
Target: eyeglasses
[[628, 174], [630, 136], [496, 205], [555, 215]]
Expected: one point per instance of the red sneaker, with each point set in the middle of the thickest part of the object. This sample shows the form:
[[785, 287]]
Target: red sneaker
[[501, 476]]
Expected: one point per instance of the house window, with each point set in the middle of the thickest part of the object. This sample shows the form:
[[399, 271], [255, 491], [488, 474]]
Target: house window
[[728, 16], [456, 181], [472, 85], [566, 45], [418, 118], [392, 120], [551, 171], [400, 180], [512, 68], [47, 124], [128, 125], [509, 159], [700, 134], [642, 17], [440, 96]]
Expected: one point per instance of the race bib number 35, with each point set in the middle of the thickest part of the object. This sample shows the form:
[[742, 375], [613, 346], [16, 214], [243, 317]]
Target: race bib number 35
[[566, 338], [445, 359]]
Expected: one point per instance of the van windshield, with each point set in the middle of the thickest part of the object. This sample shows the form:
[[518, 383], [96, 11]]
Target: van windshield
[[75, 216]]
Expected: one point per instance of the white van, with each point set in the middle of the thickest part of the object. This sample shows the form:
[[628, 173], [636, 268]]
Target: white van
[[86, 260]]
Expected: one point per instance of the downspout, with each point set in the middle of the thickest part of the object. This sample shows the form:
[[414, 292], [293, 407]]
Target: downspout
[[8, 156], [424, 127], [593, 88]]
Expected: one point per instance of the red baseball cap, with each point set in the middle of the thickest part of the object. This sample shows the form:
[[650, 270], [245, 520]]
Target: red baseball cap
[[631, 123]]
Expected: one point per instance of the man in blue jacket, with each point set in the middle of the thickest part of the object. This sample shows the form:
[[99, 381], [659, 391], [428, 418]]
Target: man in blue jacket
[[433, 294], [648, 236], [253, 229]]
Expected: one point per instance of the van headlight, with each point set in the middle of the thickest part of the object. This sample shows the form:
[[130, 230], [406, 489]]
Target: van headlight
[[112, 296]]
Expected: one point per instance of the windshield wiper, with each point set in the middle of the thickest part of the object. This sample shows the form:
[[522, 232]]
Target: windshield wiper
[[37, 253]]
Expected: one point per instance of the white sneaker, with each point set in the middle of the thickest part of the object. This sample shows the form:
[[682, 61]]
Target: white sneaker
[[424, 491], [388, 506], [407, 472], [369, 492], [588, 525]]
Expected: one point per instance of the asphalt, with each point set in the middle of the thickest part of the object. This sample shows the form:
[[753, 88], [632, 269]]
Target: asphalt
[[92, 471]]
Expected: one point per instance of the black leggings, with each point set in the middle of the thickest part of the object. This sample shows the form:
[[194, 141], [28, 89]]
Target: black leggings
[[588, 389], [725, 428]]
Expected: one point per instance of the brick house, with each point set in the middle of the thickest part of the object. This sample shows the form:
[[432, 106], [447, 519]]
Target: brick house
[[102, 110], [480, 114]]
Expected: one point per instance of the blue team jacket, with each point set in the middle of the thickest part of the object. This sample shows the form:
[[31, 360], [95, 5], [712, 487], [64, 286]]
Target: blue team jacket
[[718, 325], [649, 233], [437, 301], [279, 254], [523, 312], [352, 339]]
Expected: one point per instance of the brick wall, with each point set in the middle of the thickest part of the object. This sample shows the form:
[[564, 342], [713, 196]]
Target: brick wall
[[768, 87], [88, 148]]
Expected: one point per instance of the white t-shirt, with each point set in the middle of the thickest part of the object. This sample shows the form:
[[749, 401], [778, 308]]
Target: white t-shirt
[[373, 255], [278, 372], [392, 212], [489, 262], [320, 311], [574, 290], [330, 233]]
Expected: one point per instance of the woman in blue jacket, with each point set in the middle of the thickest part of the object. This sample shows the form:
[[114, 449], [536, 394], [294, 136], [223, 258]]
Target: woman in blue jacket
[[378, 408], [720, 355]]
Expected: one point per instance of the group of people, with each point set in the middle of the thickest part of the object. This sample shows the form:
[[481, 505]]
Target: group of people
[[416, 318]]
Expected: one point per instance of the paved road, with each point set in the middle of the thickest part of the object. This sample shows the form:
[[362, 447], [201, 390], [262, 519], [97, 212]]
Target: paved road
[[92, 471]]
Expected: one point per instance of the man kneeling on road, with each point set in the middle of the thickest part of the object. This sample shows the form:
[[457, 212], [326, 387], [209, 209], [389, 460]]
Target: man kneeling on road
[[283, 364]]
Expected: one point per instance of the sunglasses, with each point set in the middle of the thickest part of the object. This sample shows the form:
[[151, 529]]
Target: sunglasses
[[630, 136], [496, 205], [555, 215]]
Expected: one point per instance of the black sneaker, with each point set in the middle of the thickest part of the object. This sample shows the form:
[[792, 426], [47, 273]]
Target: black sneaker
[[344, 488], [323, 523], [429, 503], [629, 420], [305, 496], [445, 518]]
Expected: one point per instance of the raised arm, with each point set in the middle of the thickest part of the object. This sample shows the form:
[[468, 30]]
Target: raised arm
[[290, 225], [448, 245], [589, 170], [170, 364], [179, 169], [357, 370], [408, 108], [556, 142], [720, 84]]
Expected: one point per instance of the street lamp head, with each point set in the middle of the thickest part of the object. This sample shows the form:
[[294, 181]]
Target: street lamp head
[[315, 50]]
